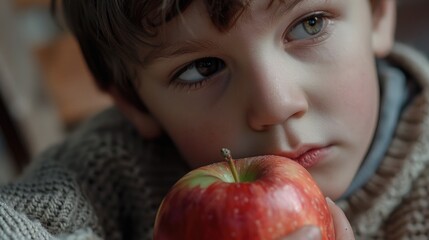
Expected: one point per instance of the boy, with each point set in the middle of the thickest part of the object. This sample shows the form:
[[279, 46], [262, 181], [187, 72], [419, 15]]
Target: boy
[[296, 78]]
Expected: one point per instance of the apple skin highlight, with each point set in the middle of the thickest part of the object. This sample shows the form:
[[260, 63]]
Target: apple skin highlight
[[275, 196]]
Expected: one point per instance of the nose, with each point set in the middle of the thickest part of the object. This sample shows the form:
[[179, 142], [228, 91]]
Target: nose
[[276, 94]]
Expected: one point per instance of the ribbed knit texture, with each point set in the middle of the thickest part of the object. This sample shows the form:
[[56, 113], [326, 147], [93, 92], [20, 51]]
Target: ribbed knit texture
[[104, 178], [105, 182]]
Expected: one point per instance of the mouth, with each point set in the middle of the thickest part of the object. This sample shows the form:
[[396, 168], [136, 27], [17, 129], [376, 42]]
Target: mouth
[[308, 156]]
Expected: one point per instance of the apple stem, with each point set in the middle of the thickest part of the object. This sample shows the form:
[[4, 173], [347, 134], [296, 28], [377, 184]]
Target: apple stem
[[226, 153]]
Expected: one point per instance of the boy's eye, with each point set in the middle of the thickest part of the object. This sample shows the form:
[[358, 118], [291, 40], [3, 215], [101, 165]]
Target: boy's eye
[[307, 28], [200, 70]]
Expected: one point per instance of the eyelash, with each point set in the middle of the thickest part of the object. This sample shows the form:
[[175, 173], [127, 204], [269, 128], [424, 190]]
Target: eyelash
[[217, 63], [190, 86], [318, 37]]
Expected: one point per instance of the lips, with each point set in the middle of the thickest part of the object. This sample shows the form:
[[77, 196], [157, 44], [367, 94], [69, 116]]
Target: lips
[[307, 156]]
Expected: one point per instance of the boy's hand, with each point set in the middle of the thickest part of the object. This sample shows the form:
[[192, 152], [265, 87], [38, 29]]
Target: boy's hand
[[343, 230]]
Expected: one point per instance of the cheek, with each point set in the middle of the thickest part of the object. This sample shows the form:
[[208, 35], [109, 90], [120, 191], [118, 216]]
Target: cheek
[[356, 87], [360, 114], [200, 144], [195, 144], [351, 88], [359, 99], [198, 126], [361, 96]]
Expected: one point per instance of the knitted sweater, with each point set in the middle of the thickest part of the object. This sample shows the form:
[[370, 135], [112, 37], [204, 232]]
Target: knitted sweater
[[106, 182]]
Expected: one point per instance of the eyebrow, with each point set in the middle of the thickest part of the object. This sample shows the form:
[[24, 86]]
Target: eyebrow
[[177, 49], [171, 50], [288, 5]]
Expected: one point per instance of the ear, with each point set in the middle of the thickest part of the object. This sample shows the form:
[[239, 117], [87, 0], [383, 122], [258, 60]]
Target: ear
[[384, 21], [145, 123]]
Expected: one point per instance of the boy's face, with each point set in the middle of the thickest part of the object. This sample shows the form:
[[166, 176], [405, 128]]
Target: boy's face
[[296, 80]]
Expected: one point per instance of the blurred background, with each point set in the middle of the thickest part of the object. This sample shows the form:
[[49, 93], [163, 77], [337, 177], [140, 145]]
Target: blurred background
[[46, 89]]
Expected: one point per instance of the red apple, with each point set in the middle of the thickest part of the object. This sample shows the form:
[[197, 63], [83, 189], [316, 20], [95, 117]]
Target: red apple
[[266, 197]]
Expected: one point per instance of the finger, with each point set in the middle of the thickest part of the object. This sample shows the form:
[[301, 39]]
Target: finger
[[304, 233], [343, 229]]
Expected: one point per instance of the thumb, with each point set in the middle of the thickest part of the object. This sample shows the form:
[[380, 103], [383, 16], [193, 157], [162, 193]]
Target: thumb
[[343, 229], [304, 233]]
